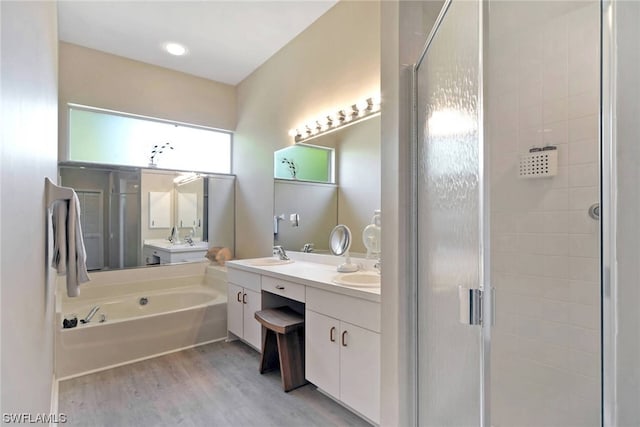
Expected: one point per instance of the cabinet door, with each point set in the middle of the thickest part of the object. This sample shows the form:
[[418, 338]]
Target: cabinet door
[[360, 370], [187, 209], [322, 352], [252, 328], [159, 209], [234, 309]]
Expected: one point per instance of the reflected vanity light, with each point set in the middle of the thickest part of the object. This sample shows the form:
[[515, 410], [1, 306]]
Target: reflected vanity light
[[185, 178], [327, 123]]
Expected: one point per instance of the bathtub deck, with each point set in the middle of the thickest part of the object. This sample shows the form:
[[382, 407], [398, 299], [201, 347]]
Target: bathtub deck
[[213, 385]]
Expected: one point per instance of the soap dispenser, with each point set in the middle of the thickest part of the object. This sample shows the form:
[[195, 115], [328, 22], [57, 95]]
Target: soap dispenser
[[371, 235]]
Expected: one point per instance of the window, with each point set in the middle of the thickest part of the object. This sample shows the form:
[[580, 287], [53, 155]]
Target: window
[[305, 162], [108, 137]]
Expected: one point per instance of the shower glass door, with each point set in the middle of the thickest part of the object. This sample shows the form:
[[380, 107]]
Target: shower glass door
[[449, 228], [481, 213]]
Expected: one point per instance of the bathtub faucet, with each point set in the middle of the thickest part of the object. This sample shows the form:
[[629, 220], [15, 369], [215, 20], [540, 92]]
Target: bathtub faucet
[[92, 313]]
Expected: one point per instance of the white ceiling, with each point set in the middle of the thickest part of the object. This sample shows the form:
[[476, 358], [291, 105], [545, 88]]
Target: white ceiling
[[227, 40]]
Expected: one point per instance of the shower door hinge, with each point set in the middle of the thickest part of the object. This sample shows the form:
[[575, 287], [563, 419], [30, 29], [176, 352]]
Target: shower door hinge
[[470, 306]]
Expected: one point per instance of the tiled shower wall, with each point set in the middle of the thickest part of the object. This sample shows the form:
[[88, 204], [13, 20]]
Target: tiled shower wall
[[544, 90]]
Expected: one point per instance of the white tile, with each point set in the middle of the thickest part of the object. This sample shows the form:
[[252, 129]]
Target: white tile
[[530, 94], [556, 133], [561, 180], [553, 332], [584, 245], [587, 293], [555, 222], [583, 104], [584, 175], [546, 354], [556, 79], [505, 222], [585, 151], [530, 117], [528, 138], [583, 80], [584, 412], [584, 316], [584, 269], [581, 223], [553, 244], [584, 363], [555, 110], [581, 198], [583, 128], [556, 199], [555, 311]]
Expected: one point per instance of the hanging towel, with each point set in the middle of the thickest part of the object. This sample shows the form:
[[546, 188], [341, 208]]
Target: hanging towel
[[69, 254]]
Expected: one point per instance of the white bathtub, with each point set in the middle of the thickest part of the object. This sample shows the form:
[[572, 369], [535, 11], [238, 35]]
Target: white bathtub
[[186, 306]]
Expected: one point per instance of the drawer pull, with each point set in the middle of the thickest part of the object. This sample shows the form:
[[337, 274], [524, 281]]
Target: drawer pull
[[238, 296], [332, 336], [344, 338], [244, 298], [280, 287]]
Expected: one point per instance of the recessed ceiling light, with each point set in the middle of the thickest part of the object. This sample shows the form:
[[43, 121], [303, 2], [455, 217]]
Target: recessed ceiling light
[[175, 49]]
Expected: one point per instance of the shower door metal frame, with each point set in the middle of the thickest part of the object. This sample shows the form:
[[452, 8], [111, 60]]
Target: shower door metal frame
[[484, 206], [608, 226]]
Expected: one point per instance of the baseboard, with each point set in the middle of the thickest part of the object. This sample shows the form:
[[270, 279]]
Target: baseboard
[[140, 359]]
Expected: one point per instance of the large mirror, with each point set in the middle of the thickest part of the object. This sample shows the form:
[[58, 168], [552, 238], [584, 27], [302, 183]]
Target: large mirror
[[306, 212], [134, 217]]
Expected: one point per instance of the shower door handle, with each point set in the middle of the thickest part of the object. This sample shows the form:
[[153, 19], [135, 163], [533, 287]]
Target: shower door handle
[[470, 306]]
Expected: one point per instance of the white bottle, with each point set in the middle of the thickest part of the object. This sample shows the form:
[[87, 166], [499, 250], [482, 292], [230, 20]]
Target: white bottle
[[371, 235]]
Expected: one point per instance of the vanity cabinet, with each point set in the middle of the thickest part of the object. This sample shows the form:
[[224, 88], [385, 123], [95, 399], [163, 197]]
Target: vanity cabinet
[[343, 358], [342, 333], [243, 300]]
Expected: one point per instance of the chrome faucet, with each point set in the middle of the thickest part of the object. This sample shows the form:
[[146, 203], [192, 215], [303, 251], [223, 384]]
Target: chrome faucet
[[279, 250], [378, 266], [308, 247], [173, 237], [92, 313]]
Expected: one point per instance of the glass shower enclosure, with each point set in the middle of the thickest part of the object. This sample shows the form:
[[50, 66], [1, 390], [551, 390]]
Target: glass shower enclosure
[[508, 240]]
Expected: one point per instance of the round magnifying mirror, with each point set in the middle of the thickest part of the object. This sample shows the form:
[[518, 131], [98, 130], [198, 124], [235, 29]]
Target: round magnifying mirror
[[340, 240], [339, 243]]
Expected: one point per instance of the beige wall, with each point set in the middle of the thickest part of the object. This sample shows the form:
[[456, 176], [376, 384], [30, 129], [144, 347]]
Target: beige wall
[[333, 63], [99, 79], [28, 155]]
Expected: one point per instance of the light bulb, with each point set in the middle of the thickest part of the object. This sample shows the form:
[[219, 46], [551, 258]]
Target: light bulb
[[293, 132], [362, 106]]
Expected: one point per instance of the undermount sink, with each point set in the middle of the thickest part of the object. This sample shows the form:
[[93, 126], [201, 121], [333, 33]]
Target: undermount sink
[[265, 262], [358, 279]]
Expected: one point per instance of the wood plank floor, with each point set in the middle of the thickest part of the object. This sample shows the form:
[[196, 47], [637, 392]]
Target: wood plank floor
[[213, 385]]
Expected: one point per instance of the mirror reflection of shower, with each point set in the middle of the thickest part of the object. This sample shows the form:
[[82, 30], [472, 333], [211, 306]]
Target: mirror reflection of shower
[[110, 211]]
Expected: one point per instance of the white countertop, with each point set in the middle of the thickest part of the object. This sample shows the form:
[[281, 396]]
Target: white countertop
[[306, 271], [165, 245]]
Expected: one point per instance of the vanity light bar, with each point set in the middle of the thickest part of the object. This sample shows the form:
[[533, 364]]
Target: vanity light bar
[[331, 122]]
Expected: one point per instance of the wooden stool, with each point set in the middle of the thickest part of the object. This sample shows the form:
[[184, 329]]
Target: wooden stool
[[285, 326]]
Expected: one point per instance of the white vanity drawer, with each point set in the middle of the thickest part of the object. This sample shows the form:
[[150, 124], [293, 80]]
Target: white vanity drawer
[[357, 311], [244, 278], [287, 289]]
